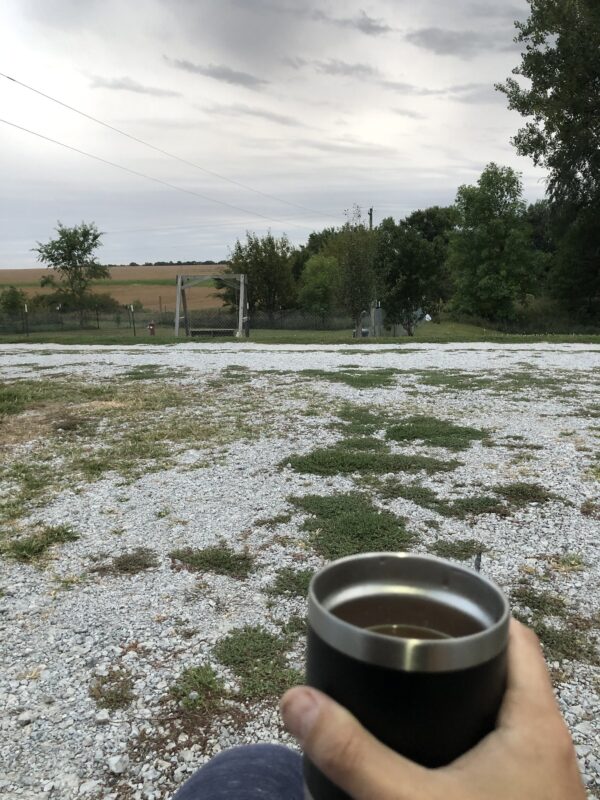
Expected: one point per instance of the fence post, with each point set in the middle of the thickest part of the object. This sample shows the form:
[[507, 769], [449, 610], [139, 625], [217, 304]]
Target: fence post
[[133, 319], [26, 319]]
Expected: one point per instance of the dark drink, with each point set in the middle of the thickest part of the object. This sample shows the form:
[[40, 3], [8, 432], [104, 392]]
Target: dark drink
[[414, 647]]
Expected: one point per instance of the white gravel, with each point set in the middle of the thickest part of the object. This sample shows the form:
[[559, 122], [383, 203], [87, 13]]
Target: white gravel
[[54, 741]]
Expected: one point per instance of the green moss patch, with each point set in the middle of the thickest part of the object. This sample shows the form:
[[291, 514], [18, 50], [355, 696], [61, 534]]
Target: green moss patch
[[458, 549], [341, 460], [219, 558], [357, 379], [33, 548], [345, 524], [520, 494], [114, 690], [291, 582], [198, 689]]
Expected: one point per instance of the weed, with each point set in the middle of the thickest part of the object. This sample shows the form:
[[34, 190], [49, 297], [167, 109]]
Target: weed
[[291, 582], [565, 562], [590, 508], [219, 558], [434, 431], [538, 602], [358, 421], [294, 628], [114, 690], [565, 643], [257, 658], [345, 524], [31, 548], [162, 513], [460, 508], [458, 549], [270, 522], [199, 689], [340, 460], [130, 563], [520, 494]]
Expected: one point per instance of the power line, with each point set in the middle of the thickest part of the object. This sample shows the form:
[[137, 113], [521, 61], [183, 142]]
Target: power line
[[150, 177], [165, 152]]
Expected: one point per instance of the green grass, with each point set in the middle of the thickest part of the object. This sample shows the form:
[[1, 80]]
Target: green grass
[[436, 432], [338, 460], [32, 548], [130, 563], [113, 691], [539, 602], [461, 508], [359, 379], [457, 549], [590, 508], [358, 421], [198, 689], [271, 522], [566, 643], [220, 559], [258, 660], [520, 494], [291, 582], [446, 332], [344, 524]]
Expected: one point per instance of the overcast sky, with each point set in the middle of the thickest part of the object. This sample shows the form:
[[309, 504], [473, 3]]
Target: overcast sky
[[387, 104]]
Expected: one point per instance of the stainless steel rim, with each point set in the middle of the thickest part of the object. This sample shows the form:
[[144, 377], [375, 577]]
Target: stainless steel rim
[[451, 583]]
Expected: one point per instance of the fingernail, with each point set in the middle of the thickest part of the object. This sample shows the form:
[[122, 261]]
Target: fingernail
[[300, 709]]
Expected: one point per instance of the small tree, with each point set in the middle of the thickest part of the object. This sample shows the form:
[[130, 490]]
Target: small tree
[[408, 268], [320, 286], [491, 255], [71, 256], [12, 301]]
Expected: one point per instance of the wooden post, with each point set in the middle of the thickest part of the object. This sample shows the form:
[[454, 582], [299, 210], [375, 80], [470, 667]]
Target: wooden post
[[186, 317], [177, 305], [133, 319]]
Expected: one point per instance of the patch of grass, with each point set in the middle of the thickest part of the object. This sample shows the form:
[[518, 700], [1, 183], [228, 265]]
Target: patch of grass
[[464, 507], [294, 628], [345, 524], [458, 549], [461, 508], [340, 460], [565, 643], [113, 691], [144, 372], [130, 563], [358, 421], [270, 522], [590, 508], [539, 602], [520, 494], [258, 660], [32, 548], [199, 689], [362, 443], [357, 379], [219, 558], [291, 582], [434, 431]]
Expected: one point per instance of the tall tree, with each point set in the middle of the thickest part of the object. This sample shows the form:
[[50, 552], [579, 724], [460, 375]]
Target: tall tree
[[12, 300], [72, 257], [408, 267], [491, 256], [354, 248], [561, 102], [319, 289], [266, 263]]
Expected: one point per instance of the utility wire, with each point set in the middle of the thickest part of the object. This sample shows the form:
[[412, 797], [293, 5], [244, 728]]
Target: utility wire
[[165, 152], [150, 177]]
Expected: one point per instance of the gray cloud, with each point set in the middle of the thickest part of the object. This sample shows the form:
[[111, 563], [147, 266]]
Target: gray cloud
[[405, 112], [498, 11], [337, 67], [477, 93], [409, 88], [240, 109], [126, 84], [219, 72], [361, 22], [349, 147], [465, 43]]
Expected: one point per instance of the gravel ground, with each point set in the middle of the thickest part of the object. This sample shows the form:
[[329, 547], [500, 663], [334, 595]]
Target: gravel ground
[[63, 625]]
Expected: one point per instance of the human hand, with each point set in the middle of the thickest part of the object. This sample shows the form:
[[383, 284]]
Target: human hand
[[529, 755]]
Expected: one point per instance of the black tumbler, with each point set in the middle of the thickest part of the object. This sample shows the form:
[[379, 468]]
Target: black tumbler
[[414, 647]]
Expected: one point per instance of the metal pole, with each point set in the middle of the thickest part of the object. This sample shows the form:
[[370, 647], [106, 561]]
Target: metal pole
[[186, 316], [241, 304], [133, 320], [370, 219], [177, 305]]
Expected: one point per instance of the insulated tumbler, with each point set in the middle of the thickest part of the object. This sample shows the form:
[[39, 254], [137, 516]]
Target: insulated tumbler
[[414, 647]]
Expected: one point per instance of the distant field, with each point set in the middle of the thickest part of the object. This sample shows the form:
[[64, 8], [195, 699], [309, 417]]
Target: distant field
[[152, 286]]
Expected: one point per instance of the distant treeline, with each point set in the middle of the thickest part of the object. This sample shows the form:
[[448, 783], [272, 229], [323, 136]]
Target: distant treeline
[[169, 264]]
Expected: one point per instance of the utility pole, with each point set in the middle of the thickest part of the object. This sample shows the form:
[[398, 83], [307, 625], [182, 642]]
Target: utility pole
[[371, 219]]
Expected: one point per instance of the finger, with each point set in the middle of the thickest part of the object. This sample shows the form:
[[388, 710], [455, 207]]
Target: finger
[[346, 753], [529, 689]]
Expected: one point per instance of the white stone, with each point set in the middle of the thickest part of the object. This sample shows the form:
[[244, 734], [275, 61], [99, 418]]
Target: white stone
[[118, 764]]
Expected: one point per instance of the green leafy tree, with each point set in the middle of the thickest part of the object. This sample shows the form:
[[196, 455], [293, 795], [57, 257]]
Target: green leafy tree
[[560, 100], [12, 301], [354, 248], [409, 272], [491, 256], [315, 244], [319, 289], [72, 257], [266, 263]]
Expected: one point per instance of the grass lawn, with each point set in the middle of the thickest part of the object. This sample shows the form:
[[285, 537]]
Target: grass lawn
[[446, 332]]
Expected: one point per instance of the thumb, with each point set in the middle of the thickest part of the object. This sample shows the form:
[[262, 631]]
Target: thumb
[[346, 753]]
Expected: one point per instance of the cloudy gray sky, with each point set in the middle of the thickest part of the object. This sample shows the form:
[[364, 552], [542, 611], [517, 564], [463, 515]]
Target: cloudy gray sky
[[305, 107]]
